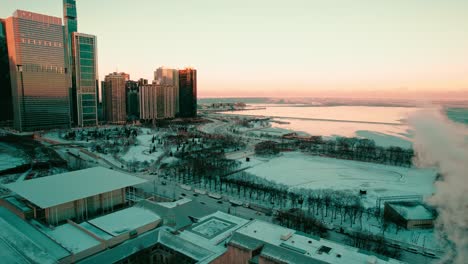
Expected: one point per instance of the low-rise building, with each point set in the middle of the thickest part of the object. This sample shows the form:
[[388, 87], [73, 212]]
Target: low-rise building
[[76, 195], [410, 215]]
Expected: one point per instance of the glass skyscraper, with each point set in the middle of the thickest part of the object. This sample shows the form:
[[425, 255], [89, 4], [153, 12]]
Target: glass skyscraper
[[82, 58], [38, 71], [84, 74], [188, 92]]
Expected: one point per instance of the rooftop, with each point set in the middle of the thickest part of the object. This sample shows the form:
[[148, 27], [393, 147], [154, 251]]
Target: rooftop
[[212, 230], [125, 220], [72, 238], [22, 243], [178, 214], [151, 238], [58, 189], [412, 211], [291, 246]]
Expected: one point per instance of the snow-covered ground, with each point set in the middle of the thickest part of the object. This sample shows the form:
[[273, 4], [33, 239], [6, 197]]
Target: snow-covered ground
[[299, 170]]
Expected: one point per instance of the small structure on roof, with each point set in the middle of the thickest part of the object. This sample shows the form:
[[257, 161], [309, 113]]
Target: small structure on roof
[[75, 195], [409, 215]]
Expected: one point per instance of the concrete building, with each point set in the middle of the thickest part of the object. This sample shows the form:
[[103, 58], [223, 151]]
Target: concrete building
[[114, 98], [156, 102], [188, 93], [410, 215], [6, 100], [168, 76], [38, 71], [80, 194], [85, 78]]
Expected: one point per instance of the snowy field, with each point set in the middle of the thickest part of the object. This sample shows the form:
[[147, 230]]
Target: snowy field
[[299, 170]]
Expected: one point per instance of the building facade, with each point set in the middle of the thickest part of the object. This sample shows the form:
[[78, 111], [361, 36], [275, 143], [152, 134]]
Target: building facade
[[156, 102], [6, 115], [38, 71], [114, 98], [133, 100], [84, 65], [168, 76], [188, 93]]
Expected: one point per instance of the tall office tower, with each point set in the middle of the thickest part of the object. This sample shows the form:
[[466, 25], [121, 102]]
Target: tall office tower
[[133, 106], [188, 92], [38, 71], [82, 58], [84, 65], [114, 98], [167, 76], [156, 102], [71, 26], [6, 113]]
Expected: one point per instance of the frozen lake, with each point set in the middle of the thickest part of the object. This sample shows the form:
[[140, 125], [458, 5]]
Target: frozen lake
[[385, 125]]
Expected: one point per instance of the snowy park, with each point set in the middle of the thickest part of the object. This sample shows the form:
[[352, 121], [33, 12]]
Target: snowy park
[[298, 170]]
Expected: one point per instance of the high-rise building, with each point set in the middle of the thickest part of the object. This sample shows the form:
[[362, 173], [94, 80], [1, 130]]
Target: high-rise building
[[114, 98], [6, 114], [188, 92], [85, 76], [38, 71], [167, 76], [156, 102], [133, 104], [82, 58]]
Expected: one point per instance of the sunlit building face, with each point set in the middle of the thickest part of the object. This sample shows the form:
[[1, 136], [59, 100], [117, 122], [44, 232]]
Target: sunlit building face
[[38, 71]]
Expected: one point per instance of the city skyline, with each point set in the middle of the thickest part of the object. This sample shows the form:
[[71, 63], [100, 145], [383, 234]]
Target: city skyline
[[396, 49]]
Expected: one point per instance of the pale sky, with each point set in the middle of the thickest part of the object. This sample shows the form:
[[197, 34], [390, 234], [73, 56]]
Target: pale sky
[[378, 48]]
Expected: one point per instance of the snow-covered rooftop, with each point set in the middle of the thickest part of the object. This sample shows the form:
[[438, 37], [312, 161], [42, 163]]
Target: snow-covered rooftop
[[151, 238], [177, 215], [72, 238], [291, 246], [125, 220], [212, 230], [175, 203], [22, 243], [58, 189], [412, 211]]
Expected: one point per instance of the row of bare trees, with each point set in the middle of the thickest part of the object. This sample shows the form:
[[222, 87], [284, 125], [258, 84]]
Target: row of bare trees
[[360, 149]]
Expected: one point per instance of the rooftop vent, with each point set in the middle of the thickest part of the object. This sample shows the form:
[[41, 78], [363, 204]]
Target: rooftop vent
[[286, 236]]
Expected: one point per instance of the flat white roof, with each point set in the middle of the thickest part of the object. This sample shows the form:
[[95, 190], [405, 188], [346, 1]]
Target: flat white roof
[[58, 189], [339, 253], [413, 212], [125, 220], [72, 238]]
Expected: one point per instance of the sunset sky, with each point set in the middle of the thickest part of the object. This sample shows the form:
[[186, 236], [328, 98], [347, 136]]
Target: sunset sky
[[397, 48]]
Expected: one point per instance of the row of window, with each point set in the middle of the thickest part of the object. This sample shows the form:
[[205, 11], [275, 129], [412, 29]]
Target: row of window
[[44, 43], [41, 68]]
